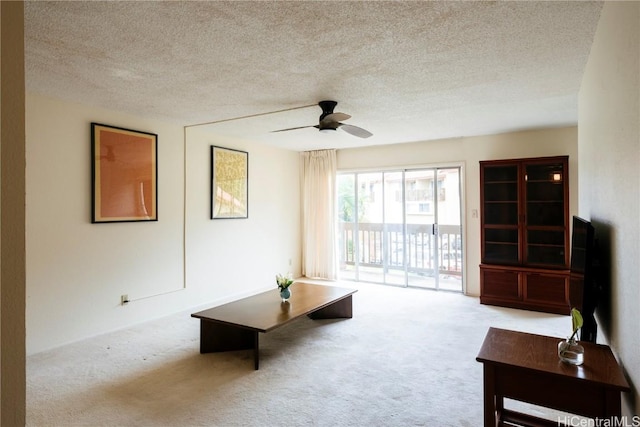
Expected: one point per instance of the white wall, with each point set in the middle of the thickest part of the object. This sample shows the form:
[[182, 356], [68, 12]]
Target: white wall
[[469, 151], [76, 271], [229, 257], [609, 155]]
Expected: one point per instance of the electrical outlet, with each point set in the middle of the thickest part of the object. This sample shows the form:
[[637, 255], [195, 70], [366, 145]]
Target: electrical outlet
[[124, 299]]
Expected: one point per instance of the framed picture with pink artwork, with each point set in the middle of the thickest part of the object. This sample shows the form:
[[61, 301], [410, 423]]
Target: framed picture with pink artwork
[[124, 172]]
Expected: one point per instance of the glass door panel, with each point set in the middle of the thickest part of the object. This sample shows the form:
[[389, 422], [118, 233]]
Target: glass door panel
[[388, 228], [420, 217], [347, 225], [370, 236], [394, 231], [449, 229]]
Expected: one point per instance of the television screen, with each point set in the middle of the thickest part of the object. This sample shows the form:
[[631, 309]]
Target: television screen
[[583, 286]]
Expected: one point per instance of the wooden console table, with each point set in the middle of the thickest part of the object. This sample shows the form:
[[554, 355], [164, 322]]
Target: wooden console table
[[235, 326], [526, 367]]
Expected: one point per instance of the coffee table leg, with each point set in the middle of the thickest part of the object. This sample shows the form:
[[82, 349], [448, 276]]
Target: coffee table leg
[[256, 353], [216, 337], [342, 309]]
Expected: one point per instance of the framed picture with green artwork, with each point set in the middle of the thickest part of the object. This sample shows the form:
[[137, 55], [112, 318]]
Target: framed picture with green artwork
[[229, 183]]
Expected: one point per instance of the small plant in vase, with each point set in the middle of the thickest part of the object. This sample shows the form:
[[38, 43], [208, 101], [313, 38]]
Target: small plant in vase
[[569, 350], [284, 281]]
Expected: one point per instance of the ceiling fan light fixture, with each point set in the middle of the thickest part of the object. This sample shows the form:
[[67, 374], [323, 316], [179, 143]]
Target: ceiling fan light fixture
[[329, 126]]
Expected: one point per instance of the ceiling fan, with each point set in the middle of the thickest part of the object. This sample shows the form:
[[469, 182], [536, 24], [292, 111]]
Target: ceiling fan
[[331, 121]]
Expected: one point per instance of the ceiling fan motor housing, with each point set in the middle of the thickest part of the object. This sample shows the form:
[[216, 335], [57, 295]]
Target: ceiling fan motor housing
[[327, 108]]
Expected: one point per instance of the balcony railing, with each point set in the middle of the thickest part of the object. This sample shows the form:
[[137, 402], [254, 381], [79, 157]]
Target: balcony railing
[[377, 242]]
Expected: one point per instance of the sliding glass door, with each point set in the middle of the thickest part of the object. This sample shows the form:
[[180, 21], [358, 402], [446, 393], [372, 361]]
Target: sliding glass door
[[401, 227]]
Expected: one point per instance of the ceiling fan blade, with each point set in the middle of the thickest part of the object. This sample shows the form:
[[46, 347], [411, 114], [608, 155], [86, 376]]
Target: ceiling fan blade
[[356, 131], [335, 117], [299, 127]]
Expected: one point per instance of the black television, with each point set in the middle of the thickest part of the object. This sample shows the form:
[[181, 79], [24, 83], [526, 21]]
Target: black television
[[584, 287]]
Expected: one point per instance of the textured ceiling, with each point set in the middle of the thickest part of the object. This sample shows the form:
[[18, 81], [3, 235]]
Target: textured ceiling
[[406, 71]]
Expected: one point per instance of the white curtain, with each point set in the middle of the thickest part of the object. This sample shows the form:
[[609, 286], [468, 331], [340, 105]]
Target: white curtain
[[319, 255]]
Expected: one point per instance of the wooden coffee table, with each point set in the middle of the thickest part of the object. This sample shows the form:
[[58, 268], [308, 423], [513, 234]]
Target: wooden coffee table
[[235, 326]]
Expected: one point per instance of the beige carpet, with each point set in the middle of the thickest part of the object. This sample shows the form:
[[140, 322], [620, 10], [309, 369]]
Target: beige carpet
[[407, 358]]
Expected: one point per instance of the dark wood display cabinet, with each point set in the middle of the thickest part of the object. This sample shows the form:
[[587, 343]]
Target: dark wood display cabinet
[[525, 233]]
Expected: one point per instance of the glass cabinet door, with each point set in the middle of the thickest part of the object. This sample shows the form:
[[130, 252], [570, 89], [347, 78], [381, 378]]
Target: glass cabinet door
[[545, 214], [500, 213]]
